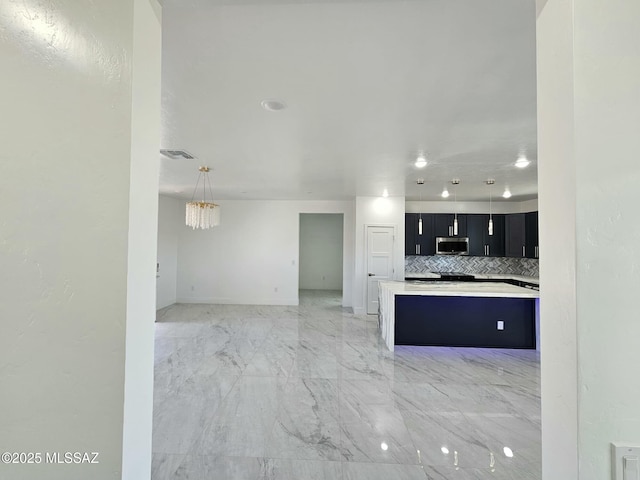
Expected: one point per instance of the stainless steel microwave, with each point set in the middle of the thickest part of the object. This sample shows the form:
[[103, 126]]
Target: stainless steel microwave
[[452, 245]]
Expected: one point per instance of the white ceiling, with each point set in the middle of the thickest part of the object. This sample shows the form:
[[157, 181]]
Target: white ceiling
[[368, 85]]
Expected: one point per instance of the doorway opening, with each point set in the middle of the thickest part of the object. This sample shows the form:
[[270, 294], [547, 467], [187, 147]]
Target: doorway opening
[[321, 255]]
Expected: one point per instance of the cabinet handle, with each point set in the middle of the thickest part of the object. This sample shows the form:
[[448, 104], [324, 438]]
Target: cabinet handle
[[536, 254], [450, 231], [488, 251], [417, 249], [523, 253]]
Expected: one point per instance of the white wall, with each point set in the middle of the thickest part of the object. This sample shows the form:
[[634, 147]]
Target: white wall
[[143, 225], [376, 211], [321, 245], [589, 104], [170, 219], [607, 145], [252, 253], [498, 206], [65, 173], [528, 205], [557, 216]]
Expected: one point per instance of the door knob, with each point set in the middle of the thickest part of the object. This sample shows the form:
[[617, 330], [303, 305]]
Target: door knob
[[372, 274]]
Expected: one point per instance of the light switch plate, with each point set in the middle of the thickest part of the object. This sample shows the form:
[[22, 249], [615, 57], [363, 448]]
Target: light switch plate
[[618, 454], [500, 325]]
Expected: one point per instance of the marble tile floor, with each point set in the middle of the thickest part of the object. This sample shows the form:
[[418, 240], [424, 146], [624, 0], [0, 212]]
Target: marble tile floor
[[311, 392]]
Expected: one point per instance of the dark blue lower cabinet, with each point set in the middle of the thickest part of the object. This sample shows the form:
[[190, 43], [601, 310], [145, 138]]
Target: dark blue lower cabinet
[[465, 321]]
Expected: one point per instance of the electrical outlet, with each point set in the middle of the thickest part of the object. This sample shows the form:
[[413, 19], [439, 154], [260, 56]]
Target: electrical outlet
[[275, 289], [500, 325], [192, 288]]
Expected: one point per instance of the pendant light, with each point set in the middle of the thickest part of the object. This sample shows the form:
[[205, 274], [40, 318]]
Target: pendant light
[[202, 214], [455, 183], [420, 182], [490, 182]]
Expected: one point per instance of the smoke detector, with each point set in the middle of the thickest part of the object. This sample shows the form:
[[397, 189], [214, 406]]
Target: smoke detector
[[273, 105]]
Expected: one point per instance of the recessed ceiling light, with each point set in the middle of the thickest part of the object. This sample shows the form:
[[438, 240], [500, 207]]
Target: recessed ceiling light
[[273, 105], [508, 452], [421, 161], [445, 193], [522, 162], [507, 193]]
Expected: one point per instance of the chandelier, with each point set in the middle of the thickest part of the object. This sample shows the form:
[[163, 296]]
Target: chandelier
[[202, 214]]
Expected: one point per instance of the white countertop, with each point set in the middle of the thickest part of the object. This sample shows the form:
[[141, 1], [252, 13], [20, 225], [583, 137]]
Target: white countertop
[[459, 289], [507, 276], [483, 276], [422, 275]]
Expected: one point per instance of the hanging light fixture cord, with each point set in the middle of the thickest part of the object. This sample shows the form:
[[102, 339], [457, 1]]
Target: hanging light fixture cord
[[420, 219], [196, 187], [455, 183], [490, 182], [455, 213]]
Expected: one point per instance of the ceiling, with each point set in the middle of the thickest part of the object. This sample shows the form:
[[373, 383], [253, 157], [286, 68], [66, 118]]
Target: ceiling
[[367, 84]]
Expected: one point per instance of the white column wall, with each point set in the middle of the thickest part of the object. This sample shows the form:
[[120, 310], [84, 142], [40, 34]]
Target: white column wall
[[170, 220], [607, 145], [557, 227], [376, 211], [143, 227], [589, 104], [65, 173]]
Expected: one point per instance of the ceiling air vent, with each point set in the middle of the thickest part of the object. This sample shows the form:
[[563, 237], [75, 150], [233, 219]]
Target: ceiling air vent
[[176, 154]]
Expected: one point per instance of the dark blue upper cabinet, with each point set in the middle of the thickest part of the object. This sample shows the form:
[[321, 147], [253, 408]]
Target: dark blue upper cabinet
[[410, 232], [480, 242], [419, 241], [443, 225], [521, 235], [496, 242], [514, 235], [531, 235]]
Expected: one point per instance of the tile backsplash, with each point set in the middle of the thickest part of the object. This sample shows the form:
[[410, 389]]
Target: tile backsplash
[[467, 264]]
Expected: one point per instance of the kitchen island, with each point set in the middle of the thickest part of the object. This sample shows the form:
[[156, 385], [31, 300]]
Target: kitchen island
[[471, 314]]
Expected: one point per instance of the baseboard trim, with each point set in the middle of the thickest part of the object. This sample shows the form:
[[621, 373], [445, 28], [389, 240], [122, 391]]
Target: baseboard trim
[[240, 301]]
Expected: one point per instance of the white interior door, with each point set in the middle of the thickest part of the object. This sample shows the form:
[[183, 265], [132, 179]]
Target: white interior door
[[379, 262]]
